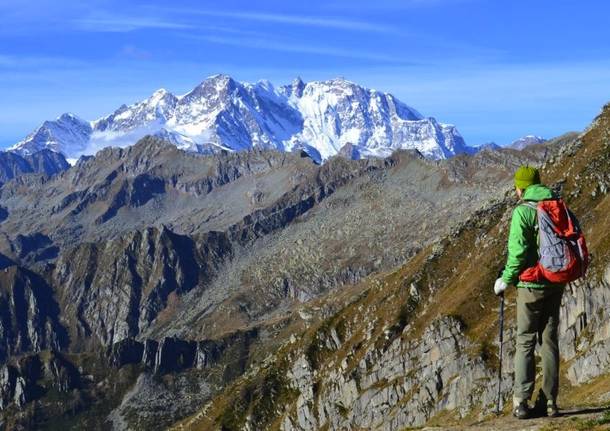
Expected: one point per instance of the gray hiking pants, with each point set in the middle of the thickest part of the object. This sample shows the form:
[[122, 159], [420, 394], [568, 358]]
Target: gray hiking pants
[[537, 318]]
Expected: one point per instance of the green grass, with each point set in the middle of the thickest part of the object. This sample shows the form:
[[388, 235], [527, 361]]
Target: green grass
[[592, 423], [601, 423]]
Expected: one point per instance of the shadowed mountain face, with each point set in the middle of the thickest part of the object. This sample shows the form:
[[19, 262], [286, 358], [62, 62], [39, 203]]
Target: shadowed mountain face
[[29, 314], [152, 276], [42, 162]]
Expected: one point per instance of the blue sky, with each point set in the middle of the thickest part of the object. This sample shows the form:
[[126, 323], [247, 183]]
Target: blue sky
[[496, 69]]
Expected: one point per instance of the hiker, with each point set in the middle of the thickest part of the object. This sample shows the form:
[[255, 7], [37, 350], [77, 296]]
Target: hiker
[[538, 301]]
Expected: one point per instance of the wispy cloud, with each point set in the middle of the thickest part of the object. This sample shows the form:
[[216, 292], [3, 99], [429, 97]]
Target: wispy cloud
[[300, 20], [123, 24], [272, 45], [388, 5]]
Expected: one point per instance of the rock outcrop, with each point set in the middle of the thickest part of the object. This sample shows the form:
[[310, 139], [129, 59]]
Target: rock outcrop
[[34, 375], [403, 385], [585, 329], [172, 354], [29, 314]]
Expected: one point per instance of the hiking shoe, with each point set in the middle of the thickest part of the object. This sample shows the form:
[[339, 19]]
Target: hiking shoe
[[521, 411], [544, 406], [551, 410], [539, 408]]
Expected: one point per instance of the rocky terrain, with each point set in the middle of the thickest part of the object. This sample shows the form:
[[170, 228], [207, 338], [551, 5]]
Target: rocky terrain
[[151, 277], [417, 345], [146, 282]]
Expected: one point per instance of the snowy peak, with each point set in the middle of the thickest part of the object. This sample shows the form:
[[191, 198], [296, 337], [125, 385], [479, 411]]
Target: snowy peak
[[216, 86], [296, 87], [339, 112], [154, 109], [525, 141], [67, 134], [318, 117]]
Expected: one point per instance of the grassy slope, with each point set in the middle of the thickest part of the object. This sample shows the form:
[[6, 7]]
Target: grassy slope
[[453, 278]]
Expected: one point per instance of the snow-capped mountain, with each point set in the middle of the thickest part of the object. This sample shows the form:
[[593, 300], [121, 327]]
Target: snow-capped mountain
[[524, 141], [68, 134], [319, 117]]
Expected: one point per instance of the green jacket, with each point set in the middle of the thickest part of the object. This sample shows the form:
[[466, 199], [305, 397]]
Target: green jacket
[[523, 238]]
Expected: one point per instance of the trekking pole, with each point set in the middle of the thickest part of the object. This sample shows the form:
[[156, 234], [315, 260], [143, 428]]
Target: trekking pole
[[498, 406]]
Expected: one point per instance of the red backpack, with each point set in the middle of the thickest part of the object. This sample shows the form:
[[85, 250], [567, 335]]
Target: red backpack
[[562, 250]]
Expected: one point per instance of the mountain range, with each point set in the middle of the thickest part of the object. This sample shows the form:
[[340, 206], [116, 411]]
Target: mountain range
[[204, 287], [138, 283], [322, 118]]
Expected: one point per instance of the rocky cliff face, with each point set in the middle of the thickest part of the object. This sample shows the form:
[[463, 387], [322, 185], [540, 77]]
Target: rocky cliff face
[[585, 342], [407, 384], [115, 290], [20, 383], [29, 315]]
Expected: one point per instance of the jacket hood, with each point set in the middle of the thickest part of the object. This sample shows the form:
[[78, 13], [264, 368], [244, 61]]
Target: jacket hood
[[537, 192]]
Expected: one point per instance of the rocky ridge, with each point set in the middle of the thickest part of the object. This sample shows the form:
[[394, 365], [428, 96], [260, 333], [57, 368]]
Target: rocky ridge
[[45, 162]]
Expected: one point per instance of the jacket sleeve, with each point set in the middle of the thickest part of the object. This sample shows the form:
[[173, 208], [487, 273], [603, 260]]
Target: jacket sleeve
[[517, 247]]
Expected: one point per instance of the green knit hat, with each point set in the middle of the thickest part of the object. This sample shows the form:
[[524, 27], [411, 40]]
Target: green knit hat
[[526, 176]]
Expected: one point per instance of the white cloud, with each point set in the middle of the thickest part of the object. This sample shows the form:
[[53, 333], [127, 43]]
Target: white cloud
[[272, 45], [306, 21]]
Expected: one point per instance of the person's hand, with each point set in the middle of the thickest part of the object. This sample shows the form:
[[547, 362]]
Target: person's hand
[[500, 286]]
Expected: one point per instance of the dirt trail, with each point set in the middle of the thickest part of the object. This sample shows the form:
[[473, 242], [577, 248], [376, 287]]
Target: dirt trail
[[576, 419]]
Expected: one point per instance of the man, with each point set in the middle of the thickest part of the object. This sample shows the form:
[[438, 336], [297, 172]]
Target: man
[[537, 303]]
